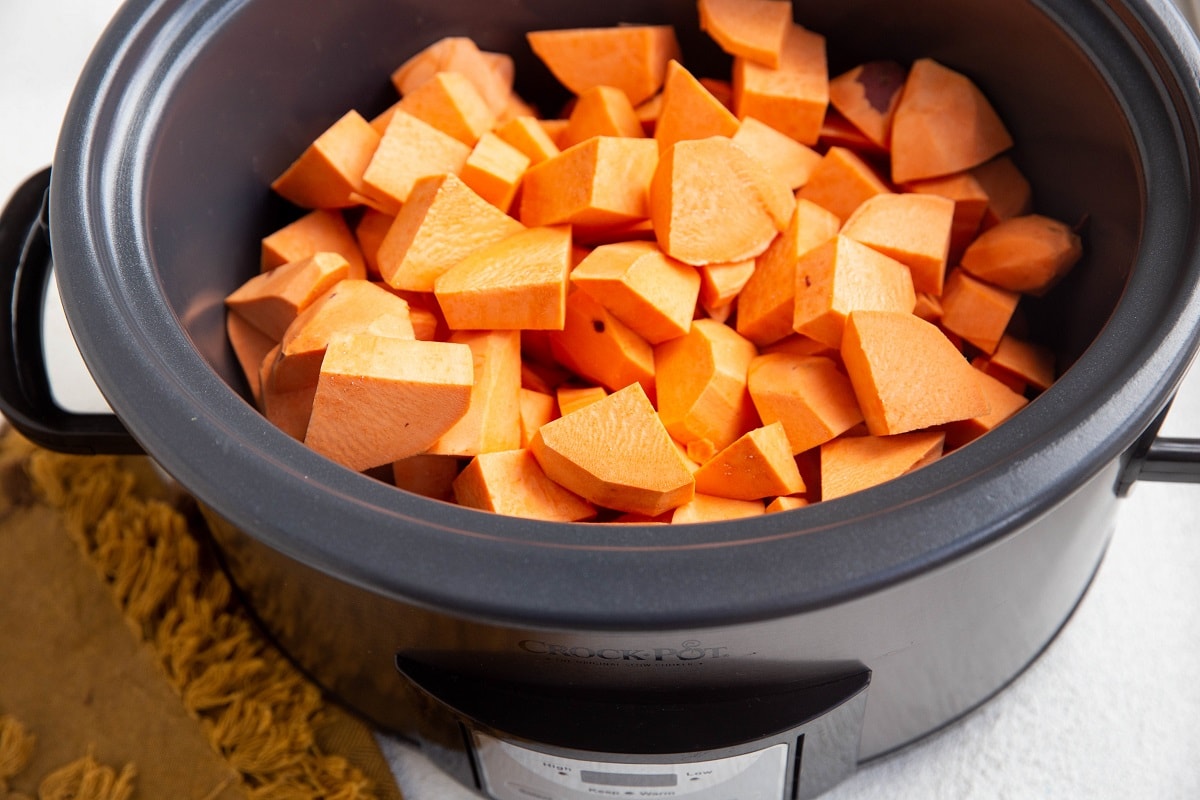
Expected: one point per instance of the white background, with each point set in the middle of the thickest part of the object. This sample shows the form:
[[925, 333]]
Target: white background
[[1112, 710]]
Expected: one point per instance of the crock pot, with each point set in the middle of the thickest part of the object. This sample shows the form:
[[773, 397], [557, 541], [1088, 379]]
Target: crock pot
[[756, 659]]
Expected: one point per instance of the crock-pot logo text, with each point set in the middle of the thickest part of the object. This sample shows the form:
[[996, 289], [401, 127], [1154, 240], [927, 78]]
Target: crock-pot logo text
[[688, 651]]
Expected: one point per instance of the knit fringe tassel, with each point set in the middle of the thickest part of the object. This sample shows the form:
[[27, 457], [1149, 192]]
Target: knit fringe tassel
[[254, 706]]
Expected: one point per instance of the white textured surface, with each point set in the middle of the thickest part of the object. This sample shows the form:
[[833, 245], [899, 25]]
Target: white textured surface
[[1112, 710]]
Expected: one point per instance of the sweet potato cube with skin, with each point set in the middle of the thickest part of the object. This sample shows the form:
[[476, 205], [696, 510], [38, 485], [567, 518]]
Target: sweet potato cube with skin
[[601, 182], [250, 347], [853, 463], [512, 483], [443, 222], [352, 306], [1004, 403], [642, 286], [380, 399], [493, 418], [720, 284], [906, 374], [711, 202], [810, 398], [450, 102], [753, 29], [494, 170], [708, 508], [701, 384], [601, 111], [970, 204], [1027, 254], [786, 503], [866, 96], [842, 276], [1008, 191], [537, 408], [766, 305], [976, 311], [270, 301], [319, 231], [793, 97], [842, 182], [489, 72], [427, 475], [1033, 363], [690, 111], [632, 58], [517, 283], [332, 167], [616, 454], [599, 347], [527, 135], [410, 150], [757, 465], [942, 124], [791, 161], [912, 228], [573, 398]]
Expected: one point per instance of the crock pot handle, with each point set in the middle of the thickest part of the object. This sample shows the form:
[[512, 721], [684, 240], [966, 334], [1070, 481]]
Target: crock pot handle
[[26, 399]]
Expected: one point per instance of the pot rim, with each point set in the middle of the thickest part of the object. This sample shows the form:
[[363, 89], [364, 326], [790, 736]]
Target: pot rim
[[485, 566]]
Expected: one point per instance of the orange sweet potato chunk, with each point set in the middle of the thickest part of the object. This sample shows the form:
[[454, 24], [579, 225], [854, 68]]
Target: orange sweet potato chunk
[[516, 283], [853, 463], [331, 169], [942, 124], [792, 97], [632, 58], [1003, 402], [599, 347], [701, 384], [912, 228], [270, 301], [689, 110], [380, 399], [1027, 254], [492, 421], [642, 286], [807, 395], [906, 374], [527, 135], [757, 465], [321, 230], [792, 161], [709, 508], [842, 276], [491, 73], [601, 111], [842, 182], [976, 311], [711, 202], [866, 96], [450, 102], [753, 29], [616, 454], [443, 222], [512, 483], [410, 150]]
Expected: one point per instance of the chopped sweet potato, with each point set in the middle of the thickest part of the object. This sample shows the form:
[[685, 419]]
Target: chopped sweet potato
[[380, 399], [912, 228], [322, 230], [492, 421], [491, 73], [512, 483], [757, 465], [599, 347], [783, 155], [707, 508], [866, 96], [642, 286], [616, 454], [450, 102], [1003, 403], [516, 283], [632, 58], [753, 29], [807, 395], [270, 301], [853, 463], [1008, 191], [494, 170], [601, 111], [331, 169], [1026, 254], [906, 374], [942, 124], [711, 202], [527, 135], [976, 311], [841, 276], [572, 398], [409, 150], [702, 384], [427, 475], [842, 182], [791, 97], [443, 222], [689, 110]]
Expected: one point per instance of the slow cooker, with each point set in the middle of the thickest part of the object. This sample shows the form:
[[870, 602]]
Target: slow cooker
[[757, 659]]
